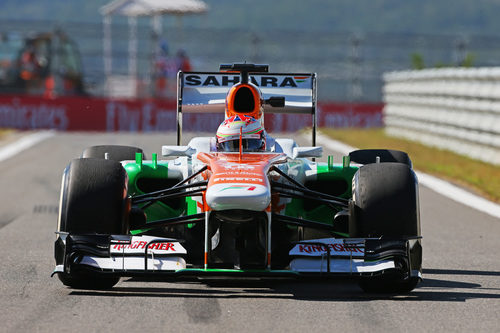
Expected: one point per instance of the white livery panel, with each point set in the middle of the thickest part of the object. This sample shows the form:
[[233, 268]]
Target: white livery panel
[[229, 196], [171, 263], [320, 265], [334, 256]]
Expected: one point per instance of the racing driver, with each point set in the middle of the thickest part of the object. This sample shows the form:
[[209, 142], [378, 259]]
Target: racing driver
[[253, 135]]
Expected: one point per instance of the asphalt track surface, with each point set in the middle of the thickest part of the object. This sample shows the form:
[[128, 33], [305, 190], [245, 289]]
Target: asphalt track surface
[[461, 290]]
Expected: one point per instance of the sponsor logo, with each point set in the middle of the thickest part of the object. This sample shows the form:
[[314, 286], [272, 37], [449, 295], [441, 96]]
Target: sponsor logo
[[194, 80], [141, 245], [232, 166], [237, 187], [239, 179], [146, 117], [18, 114], [245, 173], [300, 79], [333, 248]]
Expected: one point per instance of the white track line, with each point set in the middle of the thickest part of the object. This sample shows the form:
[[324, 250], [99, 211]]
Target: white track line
[[437, 185], [23, 143]]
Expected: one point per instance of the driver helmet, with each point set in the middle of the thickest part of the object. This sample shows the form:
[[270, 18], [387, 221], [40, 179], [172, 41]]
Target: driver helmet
[[253, 134]]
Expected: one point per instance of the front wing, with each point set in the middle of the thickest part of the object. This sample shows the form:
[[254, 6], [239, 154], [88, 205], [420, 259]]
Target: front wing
[[134, 256]]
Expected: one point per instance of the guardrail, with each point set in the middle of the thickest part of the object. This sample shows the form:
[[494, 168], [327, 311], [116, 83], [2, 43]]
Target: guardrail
[[451, 108]]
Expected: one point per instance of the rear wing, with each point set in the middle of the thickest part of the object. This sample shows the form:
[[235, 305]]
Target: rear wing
[[205, 92]]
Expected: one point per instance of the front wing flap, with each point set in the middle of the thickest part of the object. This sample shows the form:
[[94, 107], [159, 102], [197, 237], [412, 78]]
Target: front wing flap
[[119, 254], [145, 255], [357, 256]]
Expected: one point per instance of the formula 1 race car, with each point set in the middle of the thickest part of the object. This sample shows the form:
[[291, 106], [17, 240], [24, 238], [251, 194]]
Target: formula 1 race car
[[240, 203]]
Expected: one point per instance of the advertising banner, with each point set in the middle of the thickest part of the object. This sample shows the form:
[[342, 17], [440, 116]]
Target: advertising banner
[[109, 115]]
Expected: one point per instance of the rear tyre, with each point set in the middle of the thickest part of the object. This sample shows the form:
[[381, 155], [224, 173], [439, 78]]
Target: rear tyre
[[385, 204], [93, 201], [368, 156], [115, 153]]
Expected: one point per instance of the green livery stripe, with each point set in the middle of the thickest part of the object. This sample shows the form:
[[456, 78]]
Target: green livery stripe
[[237, 271]]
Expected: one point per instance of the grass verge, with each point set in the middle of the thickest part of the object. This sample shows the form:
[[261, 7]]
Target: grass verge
[[479, 177], [4, 132]]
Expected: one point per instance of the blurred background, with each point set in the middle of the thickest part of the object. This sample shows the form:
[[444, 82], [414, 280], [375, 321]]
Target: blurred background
[[350, 45]]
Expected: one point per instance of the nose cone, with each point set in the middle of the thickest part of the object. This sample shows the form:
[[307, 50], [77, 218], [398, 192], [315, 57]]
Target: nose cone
[[238, 196]]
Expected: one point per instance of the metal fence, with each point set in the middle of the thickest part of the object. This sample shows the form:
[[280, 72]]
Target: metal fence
[[349, 65], [457, 109]]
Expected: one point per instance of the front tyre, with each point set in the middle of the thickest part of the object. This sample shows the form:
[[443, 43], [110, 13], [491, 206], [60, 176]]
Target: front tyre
[[93, 201], [385, 205], [388, 285], [81, 280], [385, 201]]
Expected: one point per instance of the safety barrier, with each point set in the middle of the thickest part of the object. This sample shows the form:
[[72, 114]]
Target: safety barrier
[[457, 109]]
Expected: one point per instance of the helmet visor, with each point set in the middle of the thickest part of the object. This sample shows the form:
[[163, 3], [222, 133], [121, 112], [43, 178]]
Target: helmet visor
[[249, 145]]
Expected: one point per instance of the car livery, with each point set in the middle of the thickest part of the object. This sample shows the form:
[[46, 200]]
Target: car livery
[[206, 211]]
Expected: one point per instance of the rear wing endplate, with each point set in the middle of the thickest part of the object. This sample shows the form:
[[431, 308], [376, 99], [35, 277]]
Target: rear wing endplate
[[205, 92]]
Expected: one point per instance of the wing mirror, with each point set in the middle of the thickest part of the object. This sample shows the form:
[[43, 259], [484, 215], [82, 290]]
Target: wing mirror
[[275, 101], [298, 152], [177, 151]]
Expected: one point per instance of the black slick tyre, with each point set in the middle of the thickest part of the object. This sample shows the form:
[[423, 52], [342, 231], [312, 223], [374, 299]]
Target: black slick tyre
[[385, 204], [385, 198], [114, 152], [368, 156], [93, 201], [388, 285]]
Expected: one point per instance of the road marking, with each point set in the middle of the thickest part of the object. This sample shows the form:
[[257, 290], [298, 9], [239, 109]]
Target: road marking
[[45, 209], [437, 185], [23, 143]]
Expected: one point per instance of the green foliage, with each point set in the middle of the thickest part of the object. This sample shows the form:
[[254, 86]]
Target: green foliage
[[417, 61], [468, 61]]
